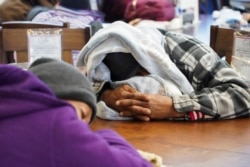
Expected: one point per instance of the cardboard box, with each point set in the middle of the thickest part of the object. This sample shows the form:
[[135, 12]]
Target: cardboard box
[[242, 65], [242, 44]]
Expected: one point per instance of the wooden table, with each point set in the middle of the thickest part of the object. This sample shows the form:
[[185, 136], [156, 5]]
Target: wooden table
[[189, 144]]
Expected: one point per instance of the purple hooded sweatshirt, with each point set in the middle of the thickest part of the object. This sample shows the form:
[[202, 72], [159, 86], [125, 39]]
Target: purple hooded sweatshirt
[[38, 130]]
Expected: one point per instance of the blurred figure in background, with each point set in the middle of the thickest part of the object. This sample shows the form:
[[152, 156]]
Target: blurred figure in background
[[17, 10], [128, 10], [77, 13]]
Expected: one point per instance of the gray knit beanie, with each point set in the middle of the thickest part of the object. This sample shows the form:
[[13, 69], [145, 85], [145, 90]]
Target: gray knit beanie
[[65, 81]]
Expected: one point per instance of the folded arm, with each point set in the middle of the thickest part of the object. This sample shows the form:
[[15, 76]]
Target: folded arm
[[219, 91]]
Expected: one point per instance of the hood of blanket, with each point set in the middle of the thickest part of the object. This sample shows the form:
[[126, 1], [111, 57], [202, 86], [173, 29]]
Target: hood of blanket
[[146, 44]]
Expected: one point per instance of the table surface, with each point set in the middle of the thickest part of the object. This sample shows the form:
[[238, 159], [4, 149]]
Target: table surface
[[188, 144]]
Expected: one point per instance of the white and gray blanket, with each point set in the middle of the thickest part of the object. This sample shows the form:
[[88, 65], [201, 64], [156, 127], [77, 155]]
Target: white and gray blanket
[[146, 44]]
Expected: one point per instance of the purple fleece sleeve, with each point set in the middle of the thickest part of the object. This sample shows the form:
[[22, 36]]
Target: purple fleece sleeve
[[74, 144]]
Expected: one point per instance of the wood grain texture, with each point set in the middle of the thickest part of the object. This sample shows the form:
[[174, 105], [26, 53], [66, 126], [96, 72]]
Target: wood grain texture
[[188, 144]]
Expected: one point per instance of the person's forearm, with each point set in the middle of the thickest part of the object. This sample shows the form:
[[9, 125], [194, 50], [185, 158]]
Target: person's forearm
[[231, 103], [162, 107]]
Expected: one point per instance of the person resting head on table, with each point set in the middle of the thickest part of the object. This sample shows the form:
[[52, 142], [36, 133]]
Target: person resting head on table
[[71, 87], [45, 114], [209, 89], [18, 10], [124, 67]]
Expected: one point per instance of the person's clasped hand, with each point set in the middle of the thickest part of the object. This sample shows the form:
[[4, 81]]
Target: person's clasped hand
[[131, 103], [125, 99]]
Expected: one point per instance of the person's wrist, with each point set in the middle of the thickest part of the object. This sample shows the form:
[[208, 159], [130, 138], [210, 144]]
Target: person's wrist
[[104, 95], [175, 113], [106, 86]]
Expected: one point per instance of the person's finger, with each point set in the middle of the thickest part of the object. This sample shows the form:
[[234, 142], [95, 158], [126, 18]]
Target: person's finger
[[142, 118], [136, 96], [141, 96], [135, 110], [131, 114], [131, 93], [132, 103], [128, 88]]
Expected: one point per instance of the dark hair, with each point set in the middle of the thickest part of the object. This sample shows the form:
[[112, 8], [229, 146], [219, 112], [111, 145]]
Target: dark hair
[[75, 4], [121, 65]]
